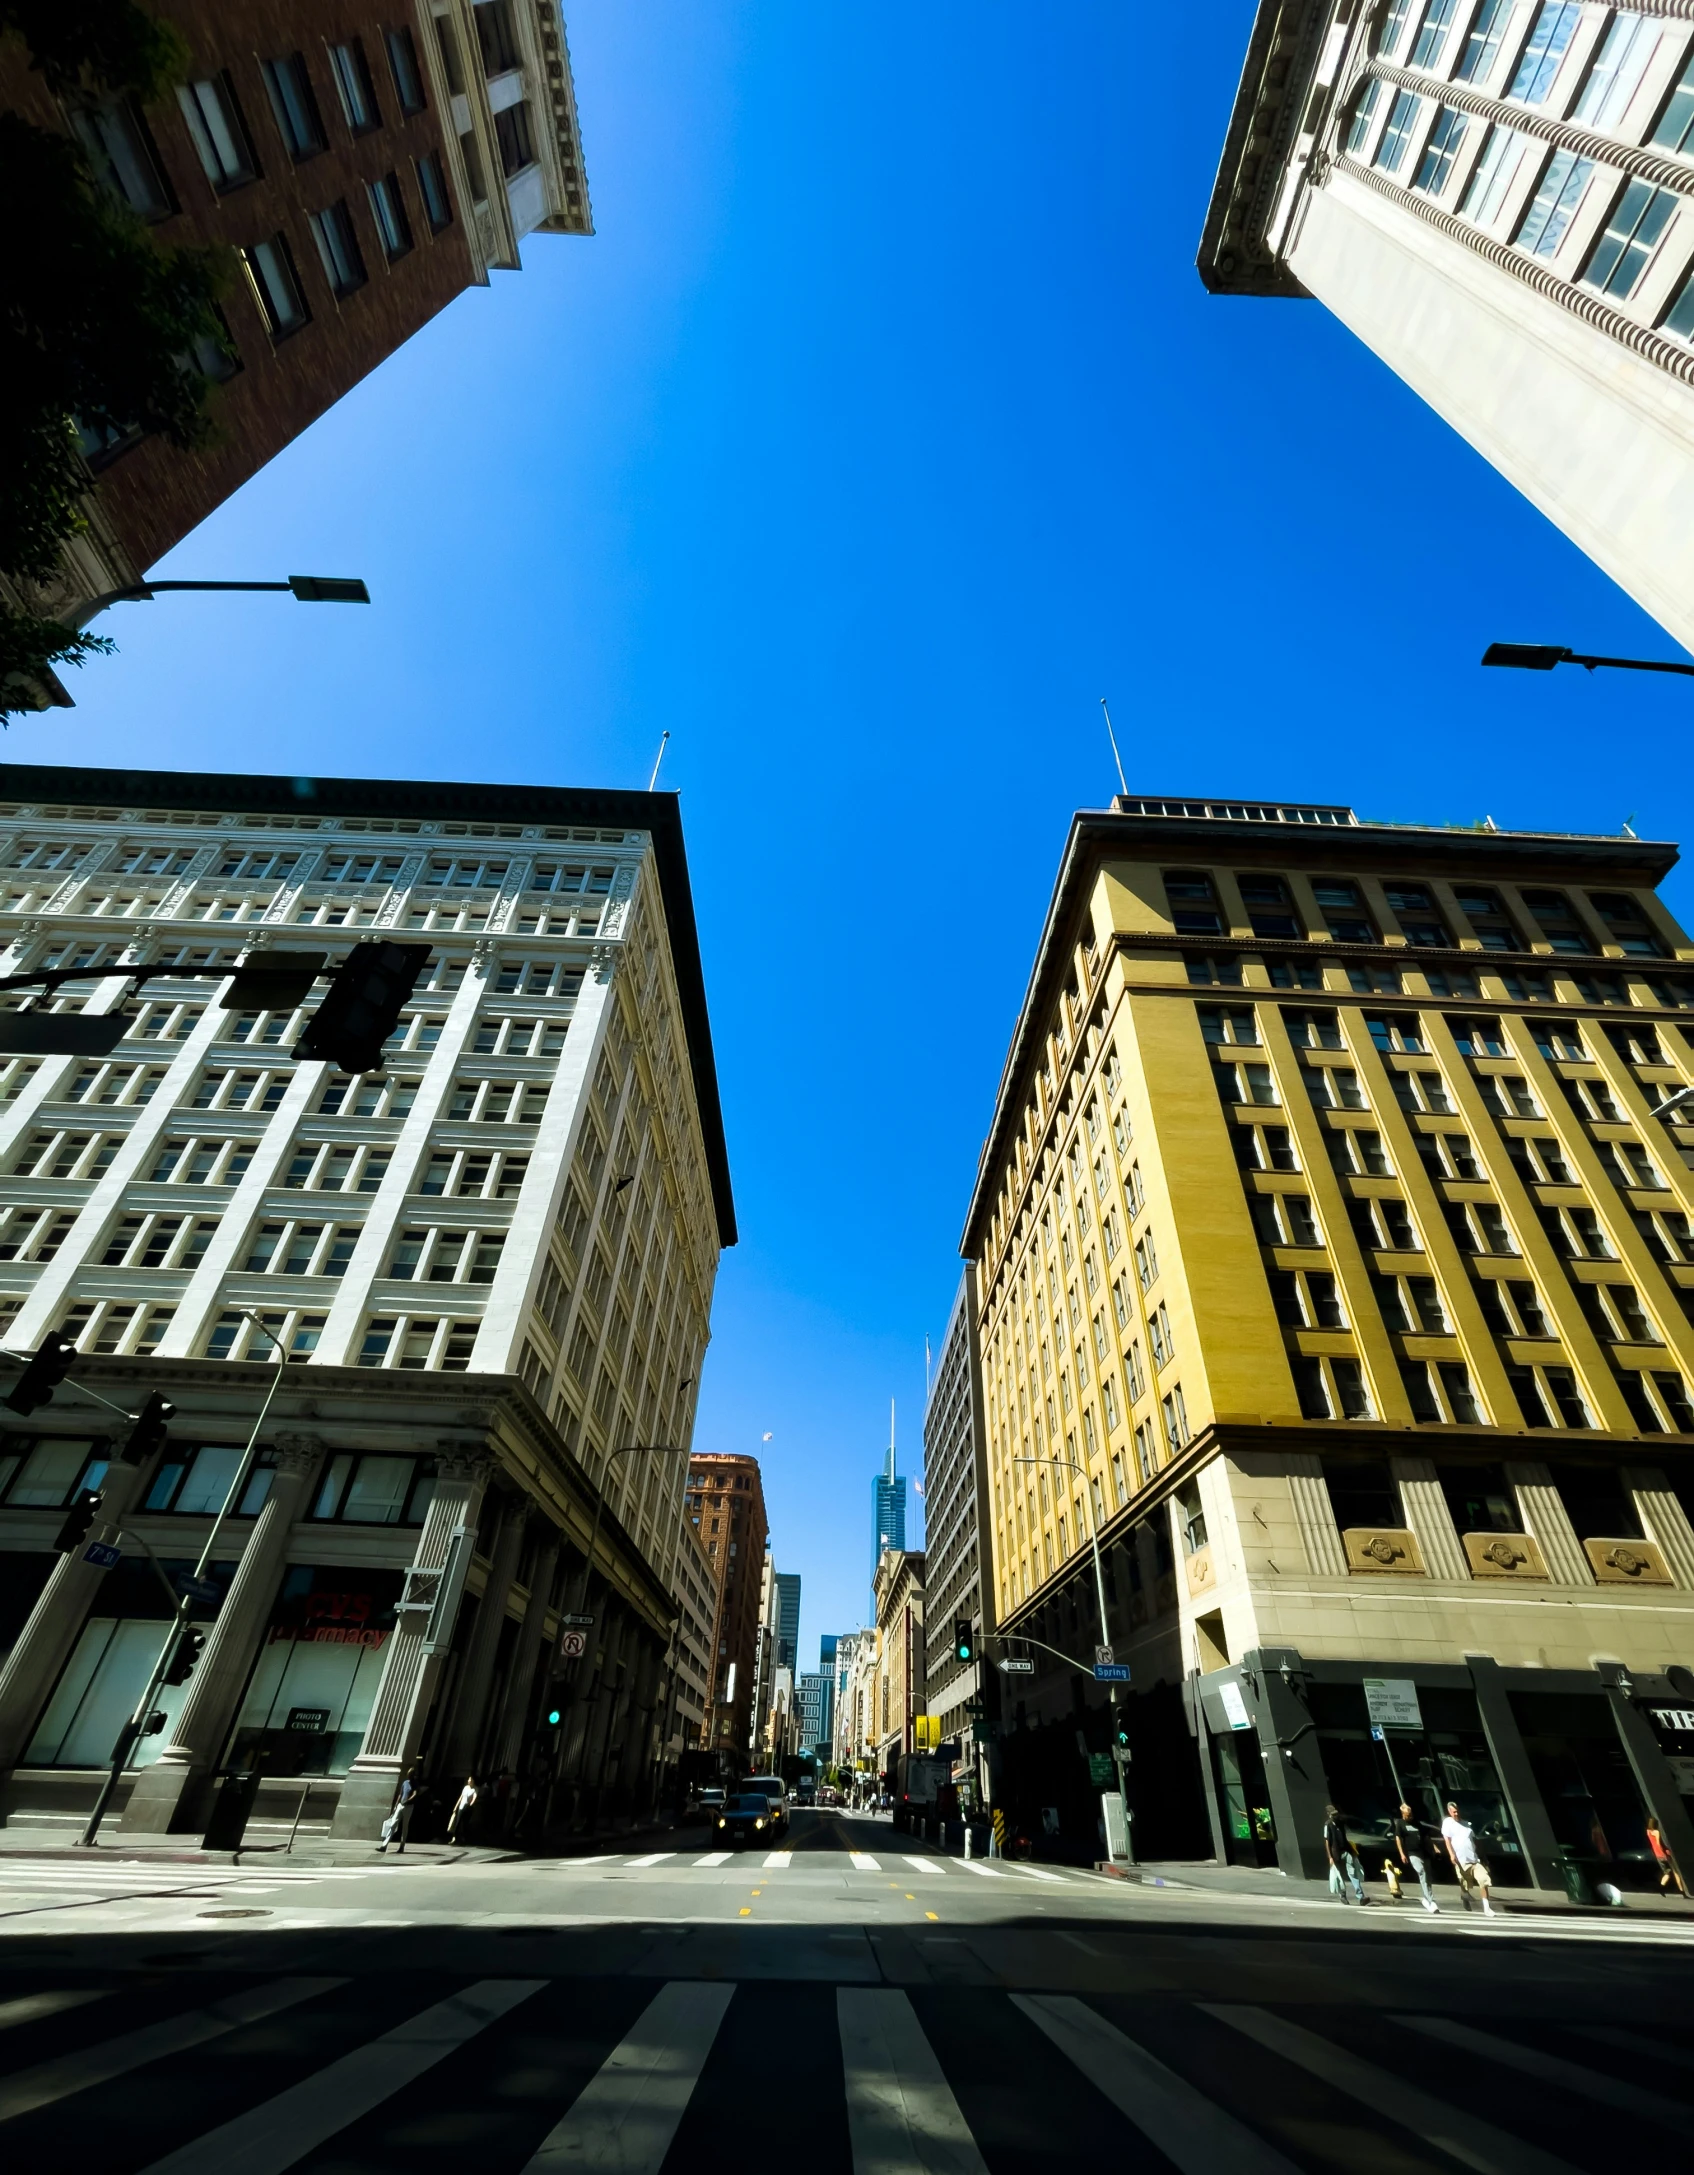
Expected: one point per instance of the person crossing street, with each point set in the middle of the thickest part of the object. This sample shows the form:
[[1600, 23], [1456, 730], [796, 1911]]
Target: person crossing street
[[1468, 1862], [1406, 1847]]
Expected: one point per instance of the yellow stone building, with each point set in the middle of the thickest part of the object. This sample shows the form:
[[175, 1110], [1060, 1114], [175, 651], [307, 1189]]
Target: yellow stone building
[[1333, 1263]]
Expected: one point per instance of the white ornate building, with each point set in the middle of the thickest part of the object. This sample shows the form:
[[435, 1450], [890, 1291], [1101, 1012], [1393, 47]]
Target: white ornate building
[[491, 1267], [1497, 196]]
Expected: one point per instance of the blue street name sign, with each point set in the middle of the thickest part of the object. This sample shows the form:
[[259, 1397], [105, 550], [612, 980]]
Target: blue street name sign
[[1111, 1672], [103, 1554]]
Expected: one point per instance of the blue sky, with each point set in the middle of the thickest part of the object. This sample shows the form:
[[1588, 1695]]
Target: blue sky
[[882, 428]]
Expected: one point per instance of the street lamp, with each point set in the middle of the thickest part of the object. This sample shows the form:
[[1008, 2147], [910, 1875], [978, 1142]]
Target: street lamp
[[1542, 657], [1105, 1628], [305, 588]]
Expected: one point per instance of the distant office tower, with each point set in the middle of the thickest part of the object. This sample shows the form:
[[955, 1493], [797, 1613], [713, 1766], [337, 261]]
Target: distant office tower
[[826, 1654], [726, 1497], [888, 1510], [1499, 200], [956, 1504], [788, 1620], [360, 171], [815, 1699]]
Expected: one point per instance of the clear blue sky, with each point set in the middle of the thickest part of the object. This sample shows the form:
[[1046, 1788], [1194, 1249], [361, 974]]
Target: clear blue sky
[[881, 429]]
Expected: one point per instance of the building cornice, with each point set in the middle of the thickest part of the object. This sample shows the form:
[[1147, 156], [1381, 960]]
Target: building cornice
[[1282, 54], [658, 815]]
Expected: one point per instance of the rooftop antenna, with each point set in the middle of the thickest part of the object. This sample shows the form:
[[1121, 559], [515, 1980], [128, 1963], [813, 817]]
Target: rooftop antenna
[[891, 1438], [1629, 824], [926, 1370], [1123, 782], [657, 760]]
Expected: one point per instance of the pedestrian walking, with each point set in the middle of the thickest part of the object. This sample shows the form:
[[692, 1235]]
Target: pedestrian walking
[[1343, 1858], [399, 1821], [1406, 1844], [463, 1807], [1468, 1862], [1671, 1882]]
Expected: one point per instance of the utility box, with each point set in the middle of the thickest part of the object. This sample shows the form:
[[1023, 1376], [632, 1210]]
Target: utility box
[[1117, 1827], [231, 1810]]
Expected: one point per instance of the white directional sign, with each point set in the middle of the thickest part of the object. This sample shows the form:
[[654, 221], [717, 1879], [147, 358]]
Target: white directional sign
[[1018, 1665], [1392, 1703]]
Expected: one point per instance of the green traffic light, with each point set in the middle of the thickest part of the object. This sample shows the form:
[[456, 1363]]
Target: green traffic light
[[553, 1717]]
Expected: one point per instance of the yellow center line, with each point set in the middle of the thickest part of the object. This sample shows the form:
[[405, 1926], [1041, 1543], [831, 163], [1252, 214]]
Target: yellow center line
[[910, 1898], [746, 1910], [936, 1915]]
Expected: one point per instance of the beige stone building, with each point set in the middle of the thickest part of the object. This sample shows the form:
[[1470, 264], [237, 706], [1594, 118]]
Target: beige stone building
[[901, 1673], [1334, 1264]]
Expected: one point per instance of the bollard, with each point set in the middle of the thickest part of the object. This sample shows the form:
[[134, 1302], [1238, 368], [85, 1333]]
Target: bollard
[[967, 1838]]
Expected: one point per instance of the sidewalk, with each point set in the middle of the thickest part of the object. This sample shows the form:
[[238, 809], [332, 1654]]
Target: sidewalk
[[1207, 1876], [314, 1849]]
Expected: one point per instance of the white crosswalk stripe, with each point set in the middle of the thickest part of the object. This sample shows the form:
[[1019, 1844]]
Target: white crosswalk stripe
[[927, 1865], [272, 2136], [30, 2008], [1633, 2099], [778, 1859], [714, 1857], [864, 1863], [901, 2113], [988, 1872], [654, 1857], [628, 2114]]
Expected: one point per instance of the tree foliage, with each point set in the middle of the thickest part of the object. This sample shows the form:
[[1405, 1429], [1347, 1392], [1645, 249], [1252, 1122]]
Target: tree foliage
[[98, 322]]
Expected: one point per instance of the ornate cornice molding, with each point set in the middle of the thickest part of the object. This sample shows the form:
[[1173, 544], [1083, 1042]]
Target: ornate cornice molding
[[1675, 360], [1646, 165]]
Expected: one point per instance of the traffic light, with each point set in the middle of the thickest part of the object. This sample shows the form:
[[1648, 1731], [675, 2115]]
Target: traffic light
[[554, 1718], [154, 1723], [187, 1654], [361, 1007], [47, 1368], [148, 1433], [964, 1640], [78, 1519]]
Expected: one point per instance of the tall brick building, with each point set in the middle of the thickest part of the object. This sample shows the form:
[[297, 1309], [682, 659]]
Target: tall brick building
[[363, 161], [726, 1504]]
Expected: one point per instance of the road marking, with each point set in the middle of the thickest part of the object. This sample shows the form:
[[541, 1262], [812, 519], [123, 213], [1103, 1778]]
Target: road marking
[[27, 2007], [273, 2135], [1631, 2042], [988, 1872], [1187, 2126], [925, 1865], [67, 2073], [1471, 2141], [936, 1915], [864, 1862], [901, 2113], [1634, 2099], [654, 1857], [1076, 1941], [1038, 1872], [778, 1859], [714, 1857], [627, 2114], [746, 1910]]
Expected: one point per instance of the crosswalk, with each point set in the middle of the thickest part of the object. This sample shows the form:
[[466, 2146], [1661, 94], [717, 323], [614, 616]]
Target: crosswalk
[[837, 1862], [548, 2074]]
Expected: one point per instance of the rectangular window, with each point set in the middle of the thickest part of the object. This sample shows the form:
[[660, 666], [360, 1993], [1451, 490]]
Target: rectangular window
[[512, 134], [276, 287], [217, 131], [1676, 123], [1554, 203], [1363, 114], [389, 212], [121, 153], [1312, 1030], [338, 248], [1620, 256], [1503, 154], [297, 118], [1629, 44], [1344, 910], [1228, 1023], [1395, 1031], [1403, 118], [353, 86], [1394, 22], [1193, 903], [1446, 139], [1549, 38], [1269, 907], [1432, 32], [1482, 40], [403, 66]]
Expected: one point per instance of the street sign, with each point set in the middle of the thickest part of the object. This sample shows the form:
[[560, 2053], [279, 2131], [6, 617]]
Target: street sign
[[102, 1554], [1392, 1702], [1018, 1665], [1101, 1767], [1234, 1706], [1111, 1672], [195, 1589], [1104, 1657], [1379, 1733], [572, 1645], [587, 1622]]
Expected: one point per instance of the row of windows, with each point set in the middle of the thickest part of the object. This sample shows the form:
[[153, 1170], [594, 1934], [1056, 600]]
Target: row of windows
[[1273, 911], [194, 1481], [1522, 985]]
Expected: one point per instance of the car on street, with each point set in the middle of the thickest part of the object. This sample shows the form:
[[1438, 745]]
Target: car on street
[[828, 1794], [745, 1818], [775, 1791]]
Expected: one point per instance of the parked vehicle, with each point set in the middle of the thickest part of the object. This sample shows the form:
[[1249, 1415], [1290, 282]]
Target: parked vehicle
[[745, 1818], [708, 1803]]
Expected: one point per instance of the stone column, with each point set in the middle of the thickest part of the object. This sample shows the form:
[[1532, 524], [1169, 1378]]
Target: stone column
[[593, 1771], [49, 1638], [1663, 1519], [467, 1724], [1294, 1772], [1544, 1516], [520, 1697], [1429, 1518], [419, 1646], [168, 1797], [1511, 1764], [1647, 1762]]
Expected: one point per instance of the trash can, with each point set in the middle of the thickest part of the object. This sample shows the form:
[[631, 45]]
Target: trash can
[[231, 1810], [1576, 1881]]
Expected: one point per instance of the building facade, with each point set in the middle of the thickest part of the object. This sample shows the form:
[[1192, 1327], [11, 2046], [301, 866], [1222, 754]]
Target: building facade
[[852, 1653], [694, 1589], [814, 1700], [1498, 199], [726, 1504], [788, 1619], [955, 1507], [489, 1266], [364, 165], [888, 1508], [900, 1686], [1331, 1255]]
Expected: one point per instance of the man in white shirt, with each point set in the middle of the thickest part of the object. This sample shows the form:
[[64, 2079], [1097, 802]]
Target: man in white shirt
[[1468, 1862]]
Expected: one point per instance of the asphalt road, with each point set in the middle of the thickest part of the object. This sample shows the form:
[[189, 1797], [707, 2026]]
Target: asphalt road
[[842, 2001]]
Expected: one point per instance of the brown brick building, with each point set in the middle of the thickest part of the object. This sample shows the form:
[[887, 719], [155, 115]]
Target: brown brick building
[[726, 1503], [363, 161]]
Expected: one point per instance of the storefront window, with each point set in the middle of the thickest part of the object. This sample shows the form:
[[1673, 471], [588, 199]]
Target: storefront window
[[312, 1688], [376, 1491], [48, 1473], [1587, 1786]]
